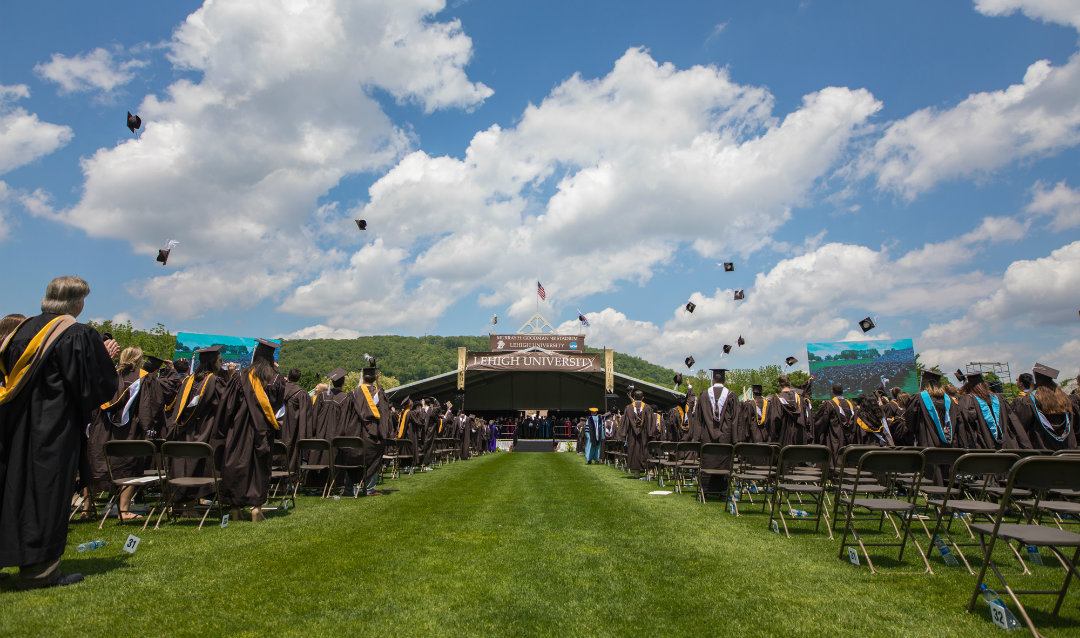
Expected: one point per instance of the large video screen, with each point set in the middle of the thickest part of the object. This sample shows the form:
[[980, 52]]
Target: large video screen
[[238, 350], [862, 366]]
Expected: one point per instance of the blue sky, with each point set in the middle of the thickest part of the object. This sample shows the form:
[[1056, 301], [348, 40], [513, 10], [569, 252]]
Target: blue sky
[[916, 162]]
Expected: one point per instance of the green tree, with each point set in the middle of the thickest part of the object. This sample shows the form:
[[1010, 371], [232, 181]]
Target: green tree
[[157, 341]]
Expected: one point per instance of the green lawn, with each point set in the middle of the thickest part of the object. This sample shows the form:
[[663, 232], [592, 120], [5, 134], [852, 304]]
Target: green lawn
[[508, 544]]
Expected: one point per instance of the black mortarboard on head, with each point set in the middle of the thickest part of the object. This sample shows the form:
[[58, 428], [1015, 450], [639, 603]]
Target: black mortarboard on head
[[151, 363], [741, 341], [729, 266], [867, 324], [727, 348], [975, 378], [1046, 373], [369, 371], [163, 256], [265, 348], [208, 350], [689, 361], [361, 224], [134, 122], [931, 375], [757, 389], [959, 374], [677, 379], [690, 306], [406, 402], [718, 374], [791, 361], [739, 294], [337, 373]]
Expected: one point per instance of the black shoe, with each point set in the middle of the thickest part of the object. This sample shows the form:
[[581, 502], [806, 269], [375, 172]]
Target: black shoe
[[62, 581]]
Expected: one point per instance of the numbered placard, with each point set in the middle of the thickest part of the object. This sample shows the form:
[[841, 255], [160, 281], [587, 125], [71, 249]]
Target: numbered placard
[[998, 615], [853, 555], [131, 544], [224, 521]]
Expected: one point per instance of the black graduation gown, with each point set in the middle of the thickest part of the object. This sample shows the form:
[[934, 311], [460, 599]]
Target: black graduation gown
[[1061, 435], [754, 428], [107, 426], [428, 420], [295, 425], [329, 408], [788, 418], [977, 434], [835, 424], [242, 437], [638, 423], [42, 433], [185, 422], [360, 419], [406, 425], [894, 416]]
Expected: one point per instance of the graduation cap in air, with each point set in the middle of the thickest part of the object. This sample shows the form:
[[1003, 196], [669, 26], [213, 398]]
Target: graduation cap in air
[[370, 361], [361, 224], [677, 380], [1044, 371], [791, 361], [959, 374], [163, 255], [727, 348], [718, 374], [265, 348], [337, 373], [689, 361], [582, 319], [729, 266], [690, 306], [134, 122], [867, 324], [494, 320], [741, 341], [151, 363], [739, 294]]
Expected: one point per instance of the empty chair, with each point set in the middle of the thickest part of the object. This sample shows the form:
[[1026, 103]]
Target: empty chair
[[305, 469], [1041, 474], [751, 470], [347, 455], [714, 467], [843, 480], [687, 454], [888, 463], [133, 449], [810, 480], [174, 482]]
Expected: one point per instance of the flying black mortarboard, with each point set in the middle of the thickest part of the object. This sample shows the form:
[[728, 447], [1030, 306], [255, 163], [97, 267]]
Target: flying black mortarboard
[[494, 320], [361, 224], [791, 361], [741, 341], [582, 319], [134, 122], [959, 374], [689, 361], [677, 379], [163, 255], [867, 324], [690, 306], [739, 294], [727, 348], [729, 266]]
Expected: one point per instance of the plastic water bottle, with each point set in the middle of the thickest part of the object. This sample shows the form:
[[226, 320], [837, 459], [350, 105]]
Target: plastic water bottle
[[735, 495], [991, 597], [799, 513], [89, 545], [946, 553]]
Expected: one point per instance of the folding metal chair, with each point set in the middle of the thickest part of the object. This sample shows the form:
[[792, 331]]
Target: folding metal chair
[[302, 472], [888, 463], [751, 470], [983, 466], [1042, 474], [652, 458], [810, 481], [282, 478], [843, 480], [346, 445], [714, 463], [189, 450], [666, 463], [687, 455], [151, 476]]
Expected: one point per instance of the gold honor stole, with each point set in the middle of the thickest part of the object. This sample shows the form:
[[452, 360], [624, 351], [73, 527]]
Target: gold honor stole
[[184, 399], [370, 401], [401, 430], [9, 383], [264, 401], [863, 425], [764, 411], [836, 400], [682, 418], [108, 405]]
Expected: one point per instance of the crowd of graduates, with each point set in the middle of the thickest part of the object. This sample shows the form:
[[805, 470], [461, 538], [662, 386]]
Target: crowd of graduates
[[938, 415]]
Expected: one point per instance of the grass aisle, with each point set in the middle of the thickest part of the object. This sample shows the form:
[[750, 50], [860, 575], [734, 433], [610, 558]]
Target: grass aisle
[[508, 544]]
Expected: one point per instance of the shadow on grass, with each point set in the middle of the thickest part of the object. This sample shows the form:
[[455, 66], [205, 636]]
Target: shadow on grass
[[87, 566]]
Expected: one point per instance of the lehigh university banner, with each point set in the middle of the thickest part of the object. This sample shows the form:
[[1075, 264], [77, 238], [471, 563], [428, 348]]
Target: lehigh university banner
[[535, 361], [545, 340]]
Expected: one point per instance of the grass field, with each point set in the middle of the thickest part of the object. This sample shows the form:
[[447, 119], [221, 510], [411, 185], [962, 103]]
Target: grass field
[[507, 544]]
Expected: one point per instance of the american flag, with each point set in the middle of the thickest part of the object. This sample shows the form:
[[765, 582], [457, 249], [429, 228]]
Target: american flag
[[540, 291]]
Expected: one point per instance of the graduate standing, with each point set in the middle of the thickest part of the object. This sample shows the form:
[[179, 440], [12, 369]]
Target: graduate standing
[[717, 412], [192, 415], [834, 422], [295, 424], [594, 431], [54, 373], [639, 418], [368, 416]]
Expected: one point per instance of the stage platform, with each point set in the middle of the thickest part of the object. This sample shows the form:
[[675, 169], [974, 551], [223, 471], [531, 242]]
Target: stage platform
[[534, 445]]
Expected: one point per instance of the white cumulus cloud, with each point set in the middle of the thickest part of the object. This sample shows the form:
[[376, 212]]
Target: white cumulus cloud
[[23, 137], [94, 70]]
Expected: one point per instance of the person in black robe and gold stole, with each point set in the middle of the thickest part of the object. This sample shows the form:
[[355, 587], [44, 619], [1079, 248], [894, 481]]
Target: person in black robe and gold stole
[[191, 417], [407, 427], [789, 415], [53, 373], [327, 412], [834, 423], [244, 429], [296, 423], [752, 413], [427, 420], [639, 419], [367, 415]]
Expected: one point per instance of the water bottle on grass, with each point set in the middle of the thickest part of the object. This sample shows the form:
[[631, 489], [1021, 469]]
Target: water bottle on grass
[[999, 613], [89, 545]]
